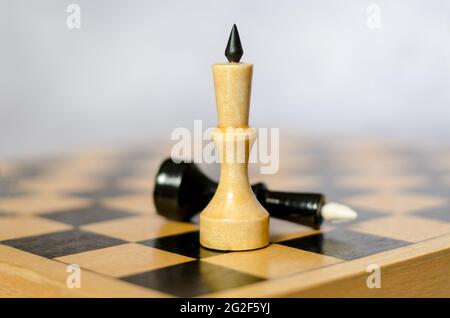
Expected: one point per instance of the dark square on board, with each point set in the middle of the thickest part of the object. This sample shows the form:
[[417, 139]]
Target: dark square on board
[[192, 279], [62, 243], [344, 244], [187, 244], [91, 214]]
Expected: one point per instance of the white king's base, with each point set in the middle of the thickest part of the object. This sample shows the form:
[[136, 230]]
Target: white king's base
[[234, 235], [234, 220]]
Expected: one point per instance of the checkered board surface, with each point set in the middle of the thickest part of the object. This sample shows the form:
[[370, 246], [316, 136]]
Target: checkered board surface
[[95, 209]]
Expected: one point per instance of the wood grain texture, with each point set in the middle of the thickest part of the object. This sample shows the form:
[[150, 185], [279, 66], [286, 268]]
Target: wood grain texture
[[232, 84], [234, 220]]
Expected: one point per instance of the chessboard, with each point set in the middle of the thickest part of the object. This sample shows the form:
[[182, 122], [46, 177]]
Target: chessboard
[[93, 209]]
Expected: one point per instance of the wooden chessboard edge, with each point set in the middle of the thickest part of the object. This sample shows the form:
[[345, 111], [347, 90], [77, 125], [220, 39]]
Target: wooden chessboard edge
[[422, 267], [48, 278], [408, 266]]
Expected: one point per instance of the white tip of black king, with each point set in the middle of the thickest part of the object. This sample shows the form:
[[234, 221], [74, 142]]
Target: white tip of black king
[[335, 212]]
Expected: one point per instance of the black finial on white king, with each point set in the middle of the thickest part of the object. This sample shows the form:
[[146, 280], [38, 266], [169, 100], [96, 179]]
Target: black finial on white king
[[234, 50]]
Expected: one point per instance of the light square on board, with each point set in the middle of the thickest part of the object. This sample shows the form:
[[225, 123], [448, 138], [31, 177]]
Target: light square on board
[[125, 259], [107, 191], [147, 168], [38, 204], [294, 183], [392, 202], [59, 183], [141, 203], [373, 163], [85, 163], [281, 230], [14, 227], [273, 261], [144, 183], [139, 228], [404, 227], [387, 182]]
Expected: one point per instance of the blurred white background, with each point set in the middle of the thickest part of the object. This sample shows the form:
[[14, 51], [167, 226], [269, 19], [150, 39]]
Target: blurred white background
[[137, 69]]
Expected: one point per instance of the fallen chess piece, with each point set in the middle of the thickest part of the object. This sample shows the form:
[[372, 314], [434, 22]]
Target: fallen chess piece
[[182, 191]]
